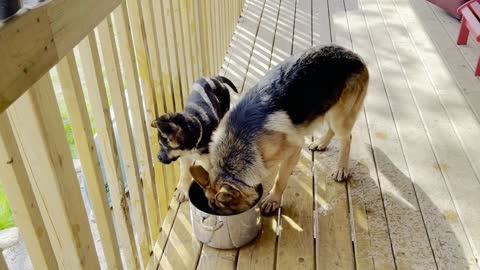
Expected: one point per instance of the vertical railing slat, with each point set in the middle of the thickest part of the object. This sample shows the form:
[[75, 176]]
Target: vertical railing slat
[[194, 38], [22, 200], [48, 156], [172, 54], [125, 45], [175, 76], [224, 24], [215, 32], [183, 39], [111, 159], [201, 17], [152, 38], [210, 36], [173, 13], [144, 71], [168, 81], [82, 132]]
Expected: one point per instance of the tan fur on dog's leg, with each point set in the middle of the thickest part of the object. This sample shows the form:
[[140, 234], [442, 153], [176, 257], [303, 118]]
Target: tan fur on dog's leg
[[322, 143], [272, 201], [341, 119], [341, 173], [181, 192]]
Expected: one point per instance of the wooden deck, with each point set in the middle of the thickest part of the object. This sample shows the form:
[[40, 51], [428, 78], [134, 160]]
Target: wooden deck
[[413, 199]]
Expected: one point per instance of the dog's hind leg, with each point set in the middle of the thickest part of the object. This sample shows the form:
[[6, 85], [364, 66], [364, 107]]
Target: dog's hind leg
[[341, 172], [341, 119], [181, 192], [272, 201]]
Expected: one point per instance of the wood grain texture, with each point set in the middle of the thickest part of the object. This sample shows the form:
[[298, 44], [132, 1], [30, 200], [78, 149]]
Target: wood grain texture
[[157, 101], [140, 101], [140, 145], [53, 174], [372, 244], [168, 74], [244, 42], [19, 191], [217, 259], [334, 237], [87, 150], [295, 243], [262, 47], [182, 250], [103, 122], [162, 240], [261, 253], [35, 40]]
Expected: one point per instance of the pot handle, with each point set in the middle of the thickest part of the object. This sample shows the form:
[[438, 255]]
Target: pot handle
[[211, 228]]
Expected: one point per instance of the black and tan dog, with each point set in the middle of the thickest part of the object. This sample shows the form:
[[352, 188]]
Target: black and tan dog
[[186, 135], [268, 126]]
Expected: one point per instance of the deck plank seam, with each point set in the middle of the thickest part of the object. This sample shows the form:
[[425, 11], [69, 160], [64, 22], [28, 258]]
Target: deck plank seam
[[373, 151], [168, 234], [444, 176], [402, 143], [253, 46]]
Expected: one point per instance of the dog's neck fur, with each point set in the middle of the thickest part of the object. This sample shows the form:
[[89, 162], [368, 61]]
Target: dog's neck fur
[[237, 158]]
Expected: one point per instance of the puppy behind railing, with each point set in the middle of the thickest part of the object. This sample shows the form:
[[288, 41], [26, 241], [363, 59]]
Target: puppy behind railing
[[186, 135]]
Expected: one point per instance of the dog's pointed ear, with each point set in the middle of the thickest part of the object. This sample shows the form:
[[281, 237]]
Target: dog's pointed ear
[[155, 122], [200, 175], [227, 193], [166, 127]]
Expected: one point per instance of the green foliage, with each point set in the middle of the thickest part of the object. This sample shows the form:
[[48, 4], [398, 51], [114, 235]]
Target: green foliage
[[6, 216]]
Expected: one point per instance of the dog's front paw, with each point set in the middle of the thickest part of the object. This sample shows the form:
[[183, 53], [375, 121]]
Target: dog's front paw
[[318, 145], [270, 204], [339, 174], [180, 195]]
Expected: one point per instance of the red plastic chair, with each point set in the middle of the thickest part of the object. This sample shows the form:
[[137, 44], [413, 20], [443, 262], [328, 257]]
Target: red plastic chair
[[470, 23]]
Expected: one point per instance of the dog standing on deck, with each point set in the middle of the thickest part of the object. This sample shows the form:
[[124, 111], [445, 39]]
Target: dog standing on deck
[[186, 135], [268, 126]]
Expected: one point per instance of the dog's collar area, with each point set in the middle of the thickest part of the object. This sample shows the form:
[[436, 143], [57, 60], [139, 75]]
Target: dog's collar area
[[201, 131], [229, 177]]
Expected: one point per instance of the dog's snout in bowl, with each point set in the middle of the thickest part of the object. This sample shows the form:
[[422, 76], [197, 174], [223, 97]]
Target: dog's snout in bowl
[[222, 231]]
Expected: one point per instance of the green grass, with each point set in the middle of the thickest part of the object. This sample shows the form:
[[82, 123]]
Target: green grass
[[6, 215]]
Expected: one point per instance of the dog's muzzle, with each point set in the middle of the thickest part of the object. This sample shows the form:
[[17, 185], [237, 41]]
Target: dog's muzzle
[[165, 160]]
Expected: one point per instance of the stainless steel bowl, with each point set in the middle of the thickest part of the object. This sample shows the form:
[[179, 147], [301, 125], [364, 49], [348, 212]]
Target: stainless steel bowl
[[222, 232]]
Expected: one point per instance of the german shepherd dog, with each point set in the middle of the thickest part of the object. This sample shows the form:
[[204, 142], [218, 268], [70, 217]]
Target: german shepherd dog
[[268, 125], [186, 135]]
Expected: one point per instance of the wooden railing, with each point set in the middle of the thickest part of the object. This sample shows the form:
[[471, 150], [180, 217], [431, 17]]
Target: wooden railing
[[135, 59]]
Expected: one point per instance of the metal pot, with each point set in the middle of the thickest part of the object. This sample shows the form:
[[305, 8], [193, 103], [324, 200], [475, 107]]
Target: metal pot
[[9, 7], [222, 232]]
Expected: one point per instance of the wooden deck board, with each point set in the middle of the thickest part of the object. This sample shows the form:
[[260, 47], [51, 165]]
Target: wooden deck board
[[398, 191], [458, 160], [183, 249], [333, 242], [422, 107], [261, 253], [295, 243], [410, 200], [373, 248]]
